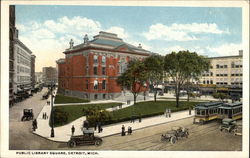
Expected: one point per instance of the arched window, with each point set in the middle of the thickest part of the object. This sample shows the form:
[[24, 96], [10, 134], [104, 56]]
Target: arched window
[[95, 59], [103, 59], [95, 84]]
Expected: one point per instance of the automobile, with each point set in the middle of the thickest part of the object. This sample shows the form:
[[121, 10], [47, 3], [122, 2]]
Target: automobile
[[174, 134], [46, 95], [87, 138], [227, 125], [27, 114], [238, 130]]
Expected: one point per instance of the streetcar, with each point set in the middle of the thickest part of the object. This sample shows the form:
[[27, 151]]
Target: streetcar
[[206, 111], [230, 110]]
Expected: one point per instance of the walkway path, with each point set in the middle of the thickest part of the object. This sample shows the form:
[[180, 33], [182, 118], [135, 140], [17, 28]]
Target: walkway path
[[63, 133]]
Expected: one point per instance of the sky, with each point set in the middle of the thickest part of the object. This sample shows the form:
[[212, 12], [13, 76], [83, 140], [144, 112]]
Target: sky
[[210, 31]]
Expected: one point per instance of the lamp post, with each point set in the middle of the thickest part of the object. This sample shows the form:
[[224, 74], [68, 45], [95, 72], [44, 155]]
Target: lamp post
[[52, 134]]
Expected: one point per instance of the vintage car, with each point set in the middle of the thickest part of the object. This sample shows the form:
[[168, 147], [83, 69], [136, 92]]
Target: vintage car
[[228, 125], [87, 138], [238, 130], [27, 114], [46, 95], [175, 133]]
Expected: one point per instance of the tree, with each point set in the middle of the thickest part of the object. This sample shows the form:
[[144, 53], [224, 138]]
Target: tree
[[154, 67], [134, 77], [182, 67], [221, 96]]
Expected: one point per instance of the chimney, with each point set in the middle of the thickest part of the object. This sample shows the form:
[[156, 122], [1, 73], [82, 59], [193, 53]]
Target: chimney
[[71, 44], [240, 52], [86, 39]]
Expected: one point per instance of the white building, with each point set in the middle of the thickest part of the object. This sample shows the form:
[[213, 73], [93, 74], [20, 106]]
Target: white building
[[22, 64]]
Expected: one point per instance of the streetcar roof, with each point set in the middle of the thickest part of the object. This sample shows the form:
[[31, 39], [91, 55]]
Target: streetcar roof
[[208, 105], [231, 105]]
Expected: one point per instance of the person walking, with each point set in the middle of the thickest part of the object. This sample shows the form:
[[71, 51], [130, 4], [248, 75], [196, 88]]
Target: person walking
[[123, 130], [45, 115], [166, 112], [99, 127], [72, 130], [140, 118], [169, 113]]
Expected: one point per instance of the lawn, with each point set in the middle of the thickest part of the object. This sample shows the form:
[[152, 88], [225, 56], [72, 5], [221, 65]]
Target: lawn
[[61, 99], [76, 111], [150, 108], [145, 109]]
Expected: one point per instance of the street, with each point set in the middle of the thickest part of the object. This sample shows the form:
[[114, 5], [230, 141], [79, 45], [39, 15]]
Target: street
[[202, 137], [20, 133]]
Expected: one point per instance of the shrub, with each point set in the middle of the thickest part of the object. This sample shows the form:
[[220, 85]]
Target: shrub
[[60, 117]]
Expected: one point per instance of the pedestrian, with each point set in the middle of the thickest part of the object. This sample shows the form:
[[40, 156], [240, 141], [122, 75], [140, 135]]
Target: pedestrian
[[99, 127], [169, 113], [189, 110], [95, 125], [129, 130], [123, 131], [166, 112], [140, 118], [45, 115], [72, 130]]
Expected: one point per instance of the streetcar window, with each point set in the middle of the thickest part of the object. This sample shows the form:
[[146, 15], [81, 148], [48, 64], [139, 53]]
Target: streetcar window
[[202, 112]]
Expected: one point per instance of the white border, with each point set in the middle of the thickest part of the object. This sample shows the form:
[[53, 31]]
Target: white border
[[114, 154]]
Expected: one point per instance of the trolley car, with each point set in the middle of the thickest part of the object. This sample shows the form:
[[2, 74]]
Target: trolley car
[[206, 111], [230, 110]]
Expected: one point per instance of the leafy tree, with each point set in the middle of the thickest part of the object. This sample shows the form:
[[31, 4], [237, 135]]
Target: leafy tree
[[182, 67], [134, 77], [154, 67], [221, 96]]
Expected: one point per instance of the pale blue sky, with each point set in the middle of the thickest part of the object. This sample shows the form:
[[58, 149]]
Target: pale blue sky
[[46, 30]]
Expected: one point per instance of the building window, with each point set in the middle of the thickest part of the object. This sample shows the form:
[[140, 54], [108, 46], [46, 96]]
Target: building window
[[217, 66], [103, 59], [95, 84], [87, 84], [103, 70], [95, 59], [104, 96], [207, 82], [87, 70], [204, 82], [104, 84], [232, 65], [225, 66], [211, 82], [95, 70], [96, 96]]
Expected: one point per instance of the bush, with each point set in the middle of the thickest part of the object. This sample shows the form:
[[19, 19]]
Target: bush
[[60, 117]]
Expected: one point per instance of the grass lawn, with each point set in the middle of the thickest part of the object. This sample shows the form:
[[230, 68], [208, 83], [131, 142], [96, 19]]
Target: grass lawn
[[75, 111], [61, 99], [150, 108]]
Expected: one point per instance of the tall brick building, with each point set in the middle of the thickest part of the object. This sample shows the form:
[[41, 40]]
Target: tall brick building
[[90, 69]]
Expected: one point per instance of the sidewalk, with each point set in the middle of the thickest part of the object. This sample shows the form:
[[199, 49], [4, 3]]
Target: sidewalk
[[63, 133]]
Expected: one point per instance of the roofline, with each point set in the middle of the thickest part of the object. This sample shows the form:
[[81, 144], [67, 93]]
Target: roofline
[[23, 45], [233, 56], [103, 49]]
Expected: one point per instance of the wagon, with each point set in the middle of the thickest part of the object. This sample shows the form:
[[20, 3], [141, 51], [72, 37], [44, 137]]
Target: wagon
[[174, 134], [87, 138], [27, 114]]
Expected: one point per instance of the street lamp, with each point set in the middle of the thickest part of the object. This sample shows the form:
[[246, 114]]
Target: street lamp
[[52, 134]]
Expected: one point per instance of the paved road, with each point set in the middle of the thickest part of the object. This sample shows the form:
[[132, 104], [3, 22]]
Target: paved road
[[20, 133], [202, 138]]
